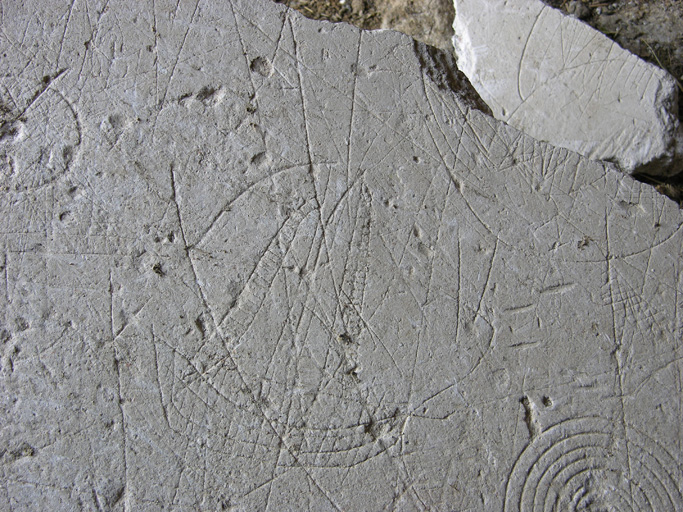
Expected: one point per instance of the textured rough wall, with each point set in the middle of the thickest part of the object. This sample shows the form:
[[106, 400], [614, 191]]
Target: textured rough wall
[[255, 261], [651, 29]]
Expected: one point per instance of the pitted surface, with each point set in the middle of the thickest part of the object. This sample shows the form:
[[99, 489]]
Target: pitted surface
[[256, 261]]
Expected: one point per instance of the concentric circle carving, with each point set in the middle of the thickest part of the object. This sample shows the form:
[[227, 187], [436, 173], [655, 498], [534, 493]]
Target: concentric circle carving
[[583, 464]]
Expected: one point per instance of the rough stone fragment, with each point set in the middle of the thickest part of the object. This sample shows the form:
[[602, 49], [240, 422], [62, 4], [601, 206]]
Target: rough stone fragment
[[561, 81], [254, 261]]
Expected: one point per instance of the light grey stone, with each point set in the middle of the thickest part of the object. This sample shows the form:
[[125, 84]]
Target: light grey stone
[[561, 81], [251, 261]]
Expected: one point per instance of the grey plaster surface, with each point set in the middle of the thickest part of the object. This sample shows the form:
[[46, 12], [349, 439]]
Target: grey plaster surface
[[561, 81], [255, 262]]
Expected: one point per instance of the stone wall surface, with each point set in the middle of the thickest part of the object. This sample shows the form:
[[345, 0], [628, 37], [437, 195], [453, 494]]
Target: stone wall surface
[[252, 261], [561, 81]]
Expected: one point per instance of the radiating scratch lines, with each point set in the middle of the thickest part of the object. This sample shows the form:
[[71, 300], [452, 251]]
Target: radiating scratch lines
[[353, 109], [332, 138], [225, 208], [303, 109], [244, 48], [66, 27], [344, 263], [336, 286], [627, 298], [200, 380], [279, 36], [180, 50], [315, 247], [117, 363], [488, 279], [376, 338], [422, 306], [396, 275], [93, 33], [186, 247], [578, 50], [271, 262], [359, 241], [205, 376], [373, 335], [287, 326], [322, 390], [363, 171], [440, 224], [599, 88], [636, 303], [247, 70], [422, 202], [519, 165], [363, 402], [417, 302], [625, 261], [187, 387], [455, 150], [411, 412], [449, 173], [358, 100], [524, 51], [475, 137], [559, 213], [308, 296], [484, 352], [619, 376], [545, 167]]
